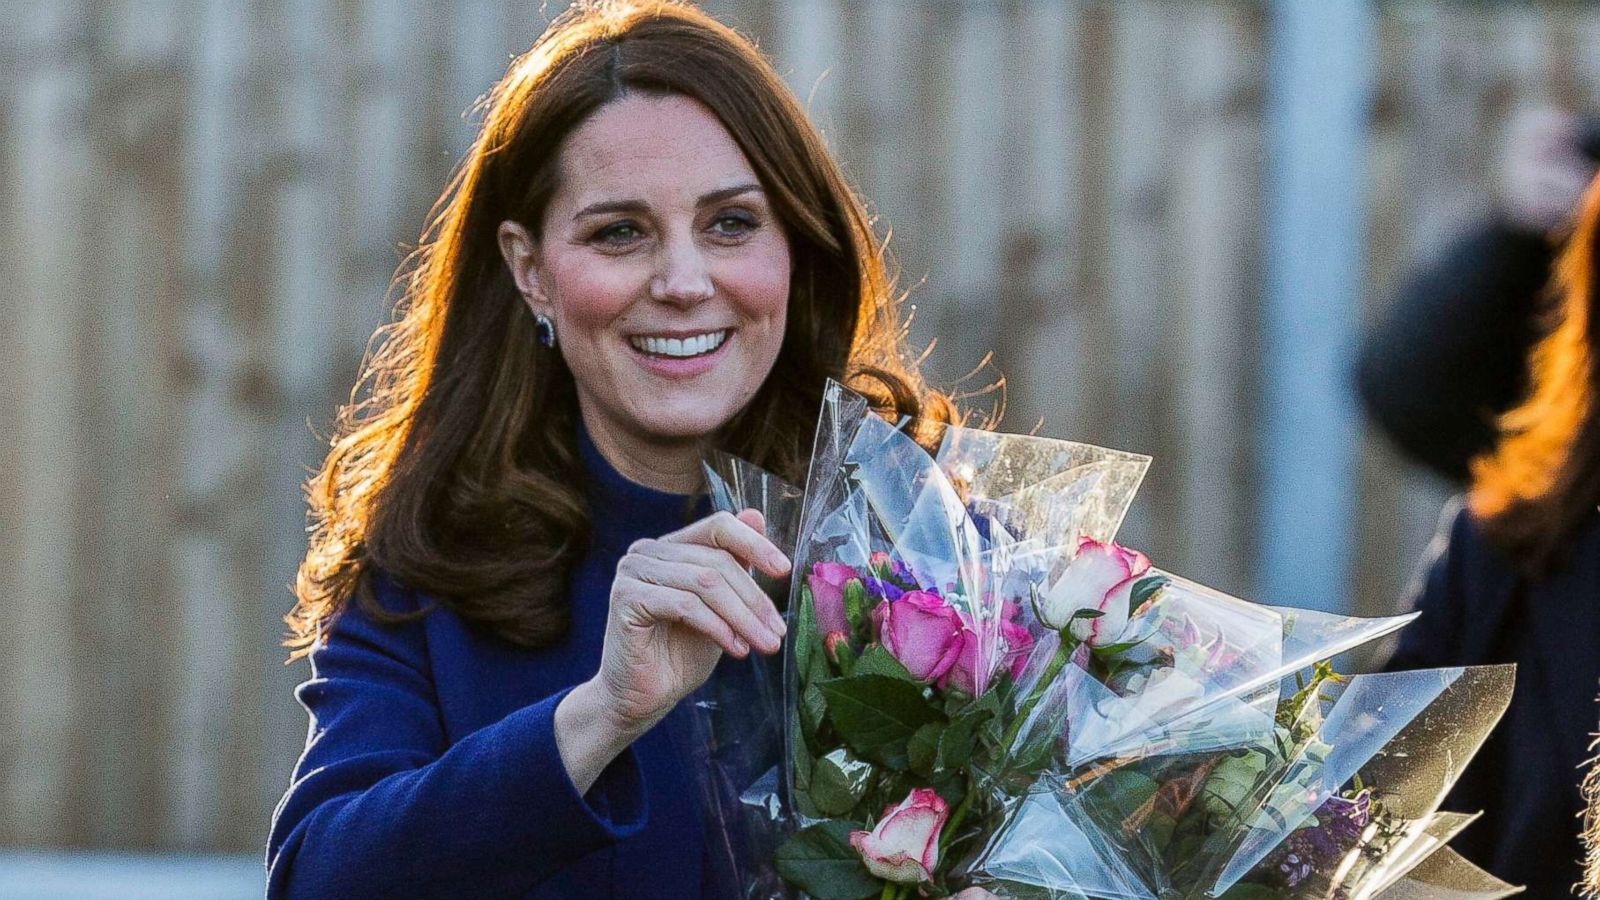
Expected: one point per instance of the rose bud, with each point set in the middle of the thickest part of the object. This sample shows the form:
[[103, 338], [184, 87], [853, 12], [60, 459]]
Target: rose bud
[[904, 847]]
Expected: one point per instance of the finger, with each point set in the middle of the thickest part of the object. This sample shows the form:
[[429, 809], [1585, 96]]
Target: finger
[[713, 590], [654, 604], [727, 532], [734, 575]]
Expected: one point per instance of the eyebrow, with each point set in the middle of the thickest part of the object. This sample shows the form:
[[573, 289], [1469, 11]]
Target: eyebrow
[[633, 206]]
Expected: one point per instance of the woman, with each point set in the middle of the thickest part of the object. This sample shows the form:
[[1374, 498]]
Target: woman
[[510, 583], [1515, 577]]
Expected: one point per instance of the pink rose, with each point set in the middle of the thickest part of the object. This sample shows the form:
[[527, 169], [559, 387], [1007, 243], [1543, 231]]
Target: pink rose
[[963, 673], [922, 631], [1099, 578], [1013, 646], [905, 846], [827, 581]]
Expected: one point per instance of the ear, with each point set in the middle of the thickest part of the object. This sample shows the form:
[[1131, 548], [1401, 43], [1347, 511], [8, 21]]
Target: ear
[[521, 253]]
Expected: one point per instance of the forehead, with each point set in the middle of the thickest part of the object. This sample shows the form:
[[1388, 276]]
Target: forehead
[[641, 146]]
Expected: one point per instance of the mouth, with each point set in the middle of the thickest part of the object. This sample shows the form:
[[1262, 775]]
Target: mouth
[[680, 346]]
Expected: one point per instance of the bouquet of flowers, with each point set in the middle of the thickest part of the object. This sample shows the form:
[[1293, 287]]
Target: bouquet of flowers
[[981, 688]]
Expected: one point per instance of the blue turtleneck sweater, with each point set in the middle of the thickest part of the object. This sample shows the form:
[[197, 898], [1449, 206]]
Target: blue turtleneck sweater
[[431, 767]]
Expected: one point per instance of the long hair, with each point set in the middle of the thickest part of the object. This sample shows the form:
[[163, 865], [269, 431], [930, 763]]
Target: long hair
[[1542, 480], [1591, 828], [454, 469]]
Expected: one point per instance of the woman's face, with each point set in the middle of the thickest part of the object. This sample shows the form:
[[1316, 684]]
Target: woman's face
[[663, 268]]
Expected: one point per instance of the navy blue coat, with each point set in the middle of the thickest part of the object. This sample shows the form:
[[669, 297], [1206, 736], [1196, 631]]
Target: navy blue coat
[[431, 767], [1477, 609]]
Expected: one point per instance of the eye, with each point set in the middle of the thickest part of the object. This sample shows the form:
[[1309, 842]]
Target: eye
[[732, 225], [617, 234]]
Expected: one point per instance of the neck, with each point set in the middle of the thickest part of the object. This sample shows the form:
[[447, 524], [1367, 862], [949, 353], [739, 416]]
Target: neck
[[671, 466]]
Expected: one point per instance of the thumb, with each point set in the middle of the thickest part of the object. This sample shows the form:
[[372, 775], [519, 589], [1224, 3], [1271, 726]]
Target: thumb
[[753, 518]]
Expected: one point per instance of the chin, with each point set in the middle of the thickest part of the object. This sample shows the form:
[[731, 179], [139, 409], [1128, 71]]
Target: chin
[[691, 421]]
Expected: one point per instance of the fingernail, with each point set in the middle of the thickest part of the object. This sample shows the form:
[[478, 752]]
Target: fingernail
[[741, 646], [777, 560]]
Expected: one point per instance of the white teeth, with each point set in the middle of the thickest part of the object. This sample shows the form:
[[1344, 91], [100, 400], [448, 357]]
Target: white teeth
[[681, 347]]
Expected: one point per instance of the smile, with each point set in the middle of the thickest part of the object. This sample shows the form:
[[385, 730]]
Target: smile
[[680, 348]]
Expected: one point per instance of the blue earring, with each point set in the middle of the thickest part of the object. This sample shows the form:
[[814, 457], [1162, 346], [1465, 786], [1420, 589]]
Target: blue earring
[[546, 329]]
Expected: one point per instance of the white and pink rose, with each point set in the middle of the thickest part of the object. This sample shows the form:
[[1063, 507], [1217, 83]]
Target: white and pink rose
[[904, 847]]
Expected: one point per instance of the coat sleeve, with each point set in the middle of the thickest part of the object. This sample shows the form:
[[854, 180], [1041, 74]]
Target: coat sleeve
[[1436, 638], [379, 806]]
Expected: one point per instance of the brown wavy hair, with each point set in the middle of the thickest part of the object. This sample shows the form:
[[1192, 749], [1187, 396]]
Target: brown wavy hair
[[1590, 886], [454, 469], [1541, 483]]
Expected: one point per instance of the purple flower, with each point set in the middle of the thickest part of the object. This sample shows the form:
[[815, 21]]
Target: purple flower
[[881, 589]]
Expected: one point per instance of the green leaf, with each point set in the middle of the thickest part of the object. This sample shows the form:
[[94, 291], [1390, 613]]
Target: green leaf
[[805, 637], [956, 743], [1033, 756], [1127, 790], [876, 715], [800, 767], [950, 785], [838, 782], [923, 749], [820, 861], [1144, 589], [877, 660], [813, 708]]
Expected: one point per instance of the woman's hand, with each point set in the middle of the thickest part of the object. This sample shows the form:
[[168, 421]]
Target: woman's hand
[[677, 604]]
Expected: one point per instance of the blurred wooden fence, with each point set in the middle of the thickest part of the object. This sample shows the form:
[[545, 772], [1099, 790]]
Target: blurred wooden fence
[[205, 202]]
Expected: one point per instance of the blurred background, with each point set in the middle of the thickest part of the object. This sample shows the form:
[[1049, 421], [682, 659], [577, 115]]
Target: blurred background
[[1164, 223]]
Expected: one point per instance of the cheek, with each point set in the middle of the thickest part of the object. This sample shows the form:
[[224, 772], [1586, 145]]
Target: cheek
[[590, 296], [762, 289]]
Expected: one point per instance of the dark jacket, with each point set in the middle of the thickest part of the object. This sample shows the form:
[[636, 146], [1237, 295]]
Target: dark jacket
[[431, 767], [1477, 609]]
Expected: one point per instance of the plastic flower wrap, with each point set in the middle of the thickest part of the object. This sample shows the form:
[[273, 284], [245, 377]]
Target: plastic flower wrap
[[981, 687]]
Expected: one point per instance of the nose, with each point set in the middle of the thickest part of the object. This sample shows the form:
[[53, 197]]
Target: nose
[[683, 275]]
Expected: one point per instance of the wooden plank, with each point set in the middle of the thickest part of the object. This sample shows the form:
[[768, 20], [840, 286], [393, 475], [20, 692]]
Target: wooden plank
[[138, 221], [1050, 343], [807, 42], [49, 144], [1217, 204], [1138, 274], [226, 149]]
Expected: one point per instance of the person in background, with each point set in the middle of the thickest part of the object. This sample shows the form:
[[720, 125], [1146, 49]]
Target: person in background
[[1447, 356], [1514, 577], [511, 580]]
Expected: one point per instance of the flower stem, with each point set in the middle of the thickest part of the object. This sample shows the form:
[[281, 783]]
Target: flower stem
[[1057, 662], [890, 889], [949, 832]]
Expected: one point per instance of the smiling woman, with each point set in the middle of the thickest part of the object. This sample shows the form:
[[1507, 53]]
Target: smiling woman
[[666, 277], [511, 583]]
